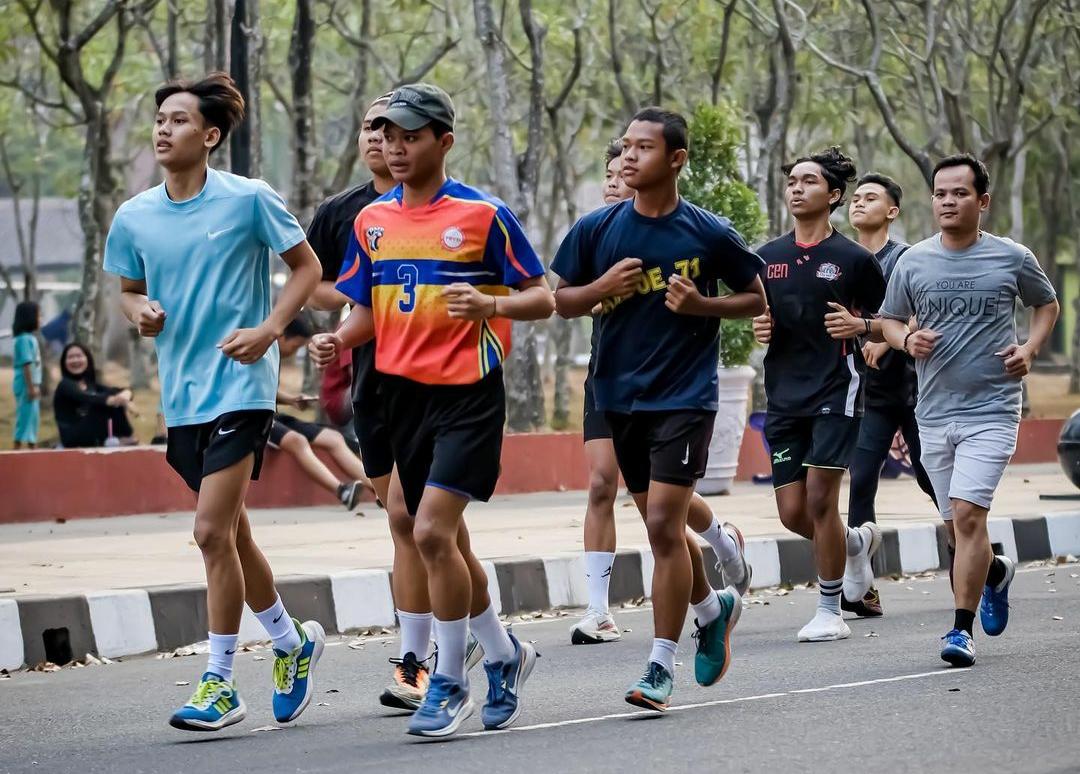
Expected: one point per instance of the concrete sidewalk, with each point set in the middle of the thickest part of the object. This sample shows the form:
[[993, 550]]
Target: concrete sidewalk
[[128, 585], [124, 552]]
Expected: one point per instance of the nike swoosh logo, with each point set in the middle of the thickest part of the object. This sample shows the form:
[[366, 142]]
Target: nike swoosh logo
[[216, 234], [223, 431], [454, 712], [230, 652], [279, 617], [686, 457]]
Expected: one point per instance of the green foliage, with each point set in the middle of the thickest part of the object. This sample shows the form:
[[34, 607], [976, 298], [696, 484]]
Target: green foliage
[[712, 181]]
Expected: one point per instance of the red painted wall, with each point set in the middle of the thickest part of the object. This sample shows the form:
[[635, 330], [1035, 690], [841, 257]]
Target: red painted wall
[[70, 484]]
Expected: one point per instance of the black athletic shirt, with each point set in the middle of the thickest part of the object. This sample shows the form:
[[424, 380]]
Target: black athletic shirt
[[893, 384], [646, 357], [807, 372], [328, 236]]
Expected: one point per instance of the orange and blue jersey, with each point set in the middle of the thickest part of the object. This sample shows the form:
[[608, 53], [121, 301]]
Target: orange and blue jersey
[[399, 261]]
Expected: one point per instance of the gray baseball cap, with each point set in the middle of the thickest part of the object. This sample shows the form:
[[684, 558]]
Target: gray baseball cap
[[416, 105]]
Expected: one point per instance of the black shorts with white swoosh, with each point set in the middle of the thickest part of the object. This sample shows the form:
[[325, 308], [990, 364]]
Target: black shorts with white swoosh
[[670, 447], [196, 451]]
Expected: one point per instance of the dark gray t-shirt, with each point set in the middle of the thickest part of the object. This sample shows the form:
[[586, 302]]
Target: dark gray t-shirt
[[968, 297]]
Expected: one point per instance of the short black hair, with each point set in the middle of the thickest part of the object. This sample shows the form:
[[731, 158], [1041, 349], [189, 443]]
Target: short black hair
[[26, 318], [982, 174], [837, 169], [612, 152], [220, 102], [89, 375], [298, 327], [675, 129], [892, 188], [439, 128]]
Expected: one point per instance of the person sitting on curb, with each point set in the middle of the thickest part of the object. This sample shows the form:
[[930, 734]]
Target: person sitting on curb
[[88, 414], [299, 438]]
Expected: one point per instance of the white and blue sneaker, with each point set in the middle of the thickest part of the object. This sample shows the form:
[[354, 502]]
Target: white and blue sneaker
[[505, 680], [445, 707], [293, 685], [959, 649], [214, 705]]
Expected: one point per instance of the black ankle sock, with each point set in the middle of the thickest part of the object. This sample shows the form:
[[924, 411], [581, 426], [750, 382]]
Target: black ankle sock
[[996, 573], [964, 620]]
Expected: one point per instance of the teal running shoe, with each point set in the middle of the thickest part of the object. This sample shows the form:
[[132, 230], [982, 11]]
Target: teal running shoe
[[713, 655], [214, 705], [293, 685], [653, 690]]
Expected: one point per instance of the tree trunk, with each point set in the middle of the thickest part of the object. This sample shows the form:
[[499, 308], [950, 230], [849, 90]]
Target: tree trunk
[[524, 388], [172, 63], [139, 375], [96, 190], [300, 51], [246, 67]]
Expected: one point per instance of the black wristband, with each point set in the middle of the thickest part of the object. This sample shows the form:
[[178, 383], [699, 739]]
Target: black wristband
[[905, 341]]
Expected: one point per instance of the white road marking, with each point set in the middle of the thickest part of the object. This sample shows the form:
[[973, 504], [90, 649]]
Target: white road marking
[[720, 702]]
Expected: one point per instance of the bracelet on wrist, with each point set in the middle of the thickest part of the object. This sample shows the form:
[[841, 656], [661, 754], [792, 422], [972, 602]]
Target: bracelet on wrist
[[494, 306], [868, 328], [906, 340]]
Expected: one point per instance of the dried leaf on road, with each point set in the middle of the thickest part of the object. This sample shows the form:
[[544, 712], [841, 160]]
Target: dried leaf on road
[[267, 728], [182, 682], [1058, 618]]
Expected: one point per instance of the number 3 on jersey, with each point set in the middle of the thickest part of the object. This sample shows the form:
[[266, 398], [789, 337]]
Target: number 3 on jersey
[[408, 275]]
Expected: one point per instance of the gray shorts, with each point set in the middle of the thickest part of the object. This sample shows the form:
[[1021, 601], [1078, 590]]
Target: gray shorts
[[965, 460]]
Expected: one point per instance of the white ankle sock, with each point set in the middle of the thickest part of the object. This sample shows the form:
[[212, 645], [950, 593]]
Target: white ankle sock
[[280, 627], [452, 637], [829, 599], [855, 537], [222, 651], [415, 634], [707, 610], [492, 635], [598, 566], [723, 544], [663, 653]]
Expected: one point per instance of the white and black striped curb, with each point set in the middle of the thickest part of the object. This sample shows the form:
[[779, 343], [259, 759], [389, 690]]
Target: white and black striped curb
[[36, 628]]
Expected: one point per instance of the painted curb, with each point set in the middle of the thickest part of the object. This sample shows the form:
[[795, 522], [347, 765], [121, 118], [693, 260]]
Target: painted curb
[[117, 623]]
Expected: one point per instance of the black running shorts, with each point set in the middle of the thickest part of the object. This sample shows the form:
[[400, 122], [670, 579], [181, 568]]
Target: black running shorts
[[196, 451], [284, 423], [670, 447], [594, 422], [798, 443], [446, 436]]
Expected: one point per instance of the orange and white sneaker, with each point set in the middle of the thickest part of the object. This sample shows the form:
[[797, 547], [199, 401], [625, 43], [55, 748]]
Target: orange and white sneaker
[[409, 686], [595, 627]]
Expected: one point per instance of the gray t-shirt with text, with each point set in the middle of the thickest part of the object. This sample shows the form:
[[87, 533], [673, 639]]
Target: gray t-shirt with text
[[968, 296]]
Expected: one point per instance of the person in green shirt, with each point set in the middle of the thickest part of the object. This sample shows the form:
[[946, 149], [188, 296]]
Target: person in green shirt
[[27, 382]]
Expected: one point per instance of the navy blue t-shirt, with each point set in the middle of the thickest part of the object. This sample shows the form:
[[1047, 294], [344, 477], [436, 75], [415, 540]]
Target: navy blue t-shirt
[[648, 358]]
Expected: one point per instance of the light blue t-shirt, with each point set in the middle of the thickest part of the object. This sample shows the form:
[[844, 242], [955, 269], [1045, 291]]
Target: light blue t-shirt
[[206, 261], [26, 353]]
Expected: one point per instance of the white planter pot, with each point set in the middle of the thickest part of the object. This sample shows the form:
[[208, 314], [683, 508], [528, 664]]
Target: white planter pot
[[728, 429]]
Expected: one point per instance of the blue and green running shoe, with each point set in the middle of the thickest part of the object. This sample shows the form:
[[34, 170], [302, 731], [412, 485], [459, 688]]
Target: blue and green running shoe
[[653, 690], [713, 655], [959, 650], [293, 686], [214, 705]]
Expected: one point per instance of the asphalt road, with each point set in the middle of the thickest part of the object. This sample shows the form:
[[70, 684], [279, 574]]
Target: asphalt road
[[878, 702]]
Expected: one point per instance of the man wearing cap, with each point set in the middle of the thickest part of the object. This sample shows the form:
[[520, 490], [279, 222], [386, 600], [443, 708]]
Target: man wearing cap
[[430, 268]]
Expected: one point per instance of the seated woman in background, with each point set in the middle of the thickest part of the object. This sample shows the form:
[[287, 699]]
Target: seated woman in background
[[84, 409]]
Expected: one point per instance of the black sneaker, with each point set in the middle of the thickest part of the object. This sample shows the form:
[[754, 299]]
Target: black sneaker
[[349, 494], [867, 607]]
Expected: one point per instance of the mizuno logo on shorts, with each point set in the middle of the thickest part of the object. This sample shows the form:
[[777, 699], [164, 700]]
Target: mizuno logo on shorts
[[782, 456]]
